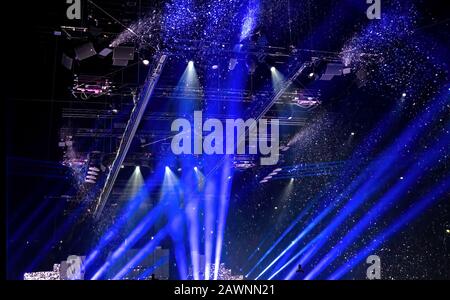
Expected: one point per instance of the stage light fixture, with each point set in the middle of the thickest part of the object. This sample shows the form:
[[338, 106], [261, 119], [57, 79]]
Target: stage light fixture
[[272, 69], [191, 63], [146, 62], [311, 75]]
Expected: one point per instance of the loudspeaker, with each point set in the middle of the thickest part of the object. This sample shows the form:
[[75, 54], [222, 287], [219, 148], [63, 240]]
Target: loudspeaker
[[85, 51]]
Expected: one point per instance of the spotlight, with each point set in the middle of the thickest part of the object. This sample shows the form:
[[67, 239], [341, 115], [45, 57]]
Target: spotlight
[[229, 177], [195, 169], [138, 168], [292, 179], [122, 166], [311, 75], [272, 69], [115, 111], [215, 67], [167, 169], [179, 169], [404, 95], [352, 133], [146, 62], [290, 118], [191, 63]]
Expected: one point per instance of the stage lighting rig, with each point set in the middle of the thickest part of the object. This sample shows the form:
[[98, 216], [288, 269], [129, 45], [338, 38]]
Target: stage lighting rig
[[86, 86], [307, 103]]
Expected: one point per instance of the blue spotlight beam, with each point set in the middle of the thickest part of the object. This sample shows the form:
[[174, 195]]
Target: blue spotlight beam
[[414, 173], [210, 217], [62, 230], [281, 237], [153, 268], [137, 233], [314, 221], [150, 219], [143, 253], [381, 165], [128, 212], [368, 189], [35, 213], [223, 212], [130, 131], [417, 208], [16, 256], [348, 169], [192, 178]]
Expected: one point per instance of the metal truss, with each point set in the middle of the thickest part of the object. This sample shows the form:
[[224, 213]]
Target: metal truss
[[130, 131], [258, 109]]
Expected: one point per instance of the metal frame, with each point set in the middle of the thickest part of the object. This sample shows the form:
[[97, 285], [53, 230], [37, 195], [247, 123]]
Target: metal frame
[[130, 131]]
